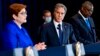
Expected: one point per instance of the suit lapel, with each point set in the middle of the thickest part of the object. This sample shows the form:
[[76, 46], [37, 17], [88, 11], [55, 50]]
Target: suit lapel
[[20, 31], [54, 32], [64, 39], [92, 26], [84, 24], [91, 23], [92, 31]]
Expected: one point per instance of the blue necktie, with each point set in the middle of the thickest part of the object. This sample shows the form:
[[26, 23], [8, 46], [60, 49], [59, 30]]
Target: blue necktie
[[60, 33], [88, 24]]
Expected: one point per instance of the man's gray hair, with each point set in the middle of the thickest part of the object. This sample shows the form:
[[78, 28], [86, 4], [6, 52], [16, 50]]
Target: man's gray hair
[[60, 5], [87, 3]]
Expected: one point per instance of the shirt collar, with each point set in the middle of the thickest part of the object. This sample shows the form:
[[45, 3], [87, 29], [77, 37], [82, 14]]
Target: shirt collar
[[82, 15], [17, 24], [56, 23]]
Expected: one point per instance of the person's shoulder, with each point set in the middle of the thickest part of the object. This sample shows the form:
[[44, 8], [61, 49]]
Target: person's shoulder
[[67, 24], [11, 26], [47, 24], [90, 17], [75, 16]]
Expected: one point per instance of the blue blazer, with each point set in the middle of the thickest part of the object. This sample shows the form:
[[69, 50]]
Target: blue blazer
[[82, 32], [50, 37], [14, 37]]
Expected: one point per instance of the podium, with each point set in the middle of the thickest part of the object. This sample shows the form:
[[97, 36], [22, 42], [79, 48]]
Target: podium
[[92, 48], [6, 53], [54, 51]]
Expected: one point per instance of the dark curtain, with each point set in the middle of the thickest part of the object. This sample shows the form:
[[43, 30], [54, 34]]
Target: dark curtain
[[35, 9], [0, 16], [5, 16]]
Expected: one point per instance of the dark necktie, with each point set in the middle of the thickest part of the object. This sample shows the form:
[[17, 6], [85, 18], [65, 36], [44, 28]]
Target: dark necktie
[[60, 33]]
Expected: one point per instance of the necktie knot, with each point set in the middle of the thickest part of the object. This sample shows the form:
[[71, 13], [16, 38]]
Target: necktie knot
[[59, 26]]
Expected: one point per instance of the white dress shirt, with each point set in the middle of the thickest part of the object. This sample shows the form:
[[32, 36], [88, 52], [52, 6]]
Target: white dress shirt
[[82, 16], [56, 26]]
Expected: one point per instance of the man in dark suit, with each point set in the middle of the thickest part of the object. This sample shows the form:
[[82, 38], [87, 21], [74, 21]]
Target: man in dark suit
[[57, 33], [83, 24]]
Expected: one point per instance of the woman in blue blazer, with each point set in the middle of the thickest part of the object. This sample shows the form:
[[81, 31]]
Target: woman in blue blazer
[[14, 35]]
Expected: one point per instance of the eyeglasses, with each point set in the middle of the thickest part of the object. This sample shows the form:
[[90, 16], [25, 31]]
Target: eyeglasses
[[89, 9], [23, 13]]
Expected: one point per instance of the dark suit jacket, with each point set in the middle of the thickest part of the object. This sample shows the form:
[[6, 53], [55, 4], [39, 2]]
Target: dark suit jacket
[[82, 32], [14, 37], [50, 37]]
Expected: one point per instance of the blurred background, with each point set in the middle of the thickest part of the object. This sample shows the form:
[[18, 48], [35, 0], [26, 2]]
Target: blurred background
[[36, 7]]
